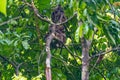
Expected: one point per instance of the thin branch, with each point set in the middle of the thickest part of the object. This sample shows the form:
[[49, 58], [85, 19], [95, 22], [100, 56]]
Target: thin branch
[[40, 46], [6, 22], [101, 56], [25, 2], [39, 59], [38, 15], [99, 72], [94, 68], [65, 64], [69, 50], [105, 52], [37, 12], [10, 62], [75, 14], [17, 68]]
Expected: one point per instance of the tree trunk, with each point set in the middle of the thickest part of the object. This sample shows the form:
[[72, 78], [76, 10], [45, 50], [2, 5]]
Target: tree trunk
[[85, 59]]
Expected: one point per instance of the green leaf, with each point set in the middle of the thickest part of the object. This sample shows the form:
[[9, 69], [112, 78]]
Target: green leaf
[[90, 33], [71, 4], [68, 41], [44, 4], [3, 6], [25, 44], [86, 28], [104, 46], [78, 33], [83, 5], [13, 22], [16, 43], [81, 30], [110, 36], [58, 75], [85, 12]]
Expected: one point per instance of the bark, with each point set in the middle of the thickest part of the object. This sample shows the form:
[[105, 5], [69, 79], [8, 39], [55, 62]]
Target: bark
[[85, 59], [48, 58]]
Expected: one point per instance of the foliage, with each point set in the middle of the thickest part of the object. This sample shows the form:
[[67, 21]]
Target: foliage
[[3, 6], [20, 77], [22, 40]]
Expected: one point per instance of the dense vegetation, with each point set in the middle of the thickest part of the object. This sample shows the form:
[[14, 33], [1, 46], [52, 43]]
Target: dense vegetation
[[22, 39]]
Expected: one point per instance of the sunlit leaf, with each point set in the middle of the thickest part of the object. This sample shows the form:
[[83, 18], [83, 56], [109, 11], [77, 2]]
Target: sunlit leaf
[[71, 4], [68, 41], [85, 12], [13, 22], [102, 19], [19, 77], [25, 44], [78, 33], [3, 6], [83, 5], [90, 34]]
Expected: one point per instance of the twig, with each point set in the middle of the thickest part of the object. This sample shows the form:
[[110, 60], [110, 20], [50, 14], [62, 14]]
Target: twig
[[101, 56], [37, 12], [99, 72], [39, 59], [27, 3], [6, 22], [75, 14], [104, 52], [40, 46], [65, 64], [10, 62], [17, 68], [38, 15]]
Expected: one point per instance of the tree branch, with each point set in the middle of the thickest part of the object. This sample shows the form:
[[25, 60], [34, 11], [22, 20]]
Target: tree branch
[[75, 14], [16, 67], [6, 22], [85, 58], [10, 62], [37, 13], [104, 52], [99, 71], [65, 64], [46, 19], [48, 58]]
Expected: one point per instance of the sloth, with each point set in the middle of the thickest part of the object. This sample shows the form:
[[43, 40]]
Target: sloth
[[57, 16]]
